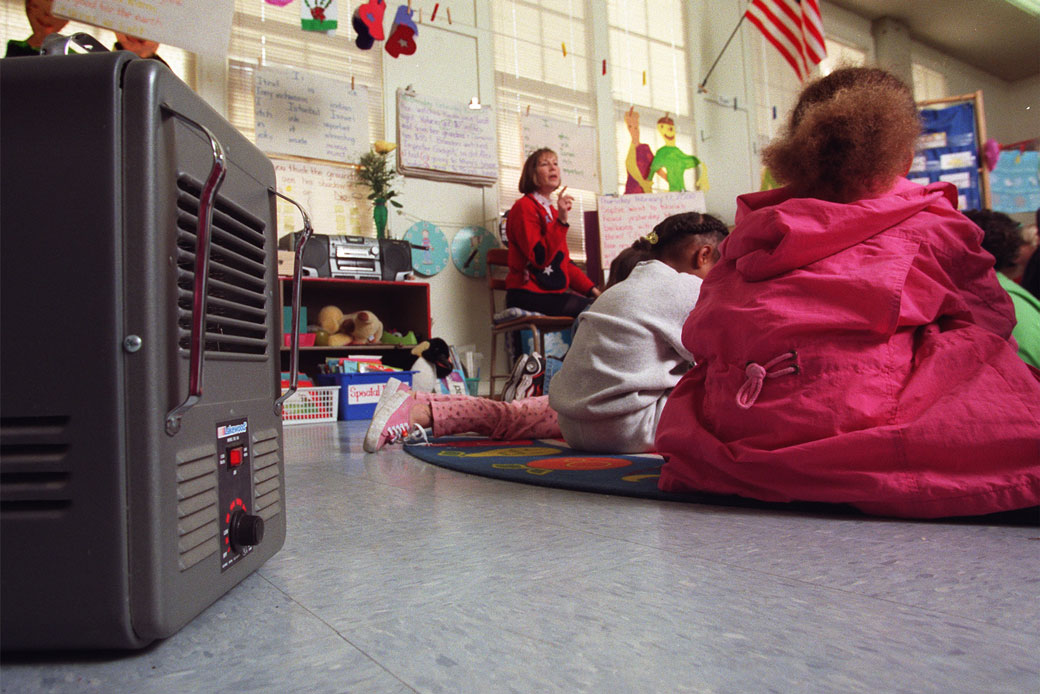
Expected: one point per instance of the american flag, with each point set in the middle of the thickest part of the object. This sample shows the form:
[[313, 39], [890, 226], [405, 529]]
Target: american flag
[[794, 27]]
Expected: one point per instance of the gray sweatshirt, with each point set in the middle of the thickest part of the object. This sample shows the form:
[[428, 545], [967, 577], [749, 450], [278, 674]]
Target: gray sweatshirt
[[627, 355]]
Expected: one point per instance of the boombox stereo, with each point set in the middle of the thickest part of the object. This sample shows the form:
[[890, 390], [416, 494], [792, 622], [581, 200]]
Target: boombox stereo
[[353, 257], [141, 444]]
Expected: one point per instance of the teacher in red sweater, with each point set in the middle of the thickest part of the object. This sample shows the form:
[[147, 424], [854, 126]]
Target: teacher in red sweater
[[541, 275]]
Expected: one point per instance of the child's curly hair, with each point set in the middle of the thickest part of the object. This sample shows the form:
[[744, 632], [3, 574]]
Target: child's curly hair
[[850, 135]]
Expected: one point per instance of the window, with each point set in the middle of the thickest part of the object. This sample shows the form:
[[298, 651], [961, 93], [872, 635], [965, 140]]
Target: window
[[841, 55], [15, 26], [648, 73], [263, 34], [928, 83], [778, 86], [532, 72]]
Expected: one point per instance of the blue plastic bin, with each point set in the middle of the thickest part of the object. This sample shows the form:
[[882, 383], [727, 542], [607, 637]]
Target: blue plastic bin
[[359, 393]]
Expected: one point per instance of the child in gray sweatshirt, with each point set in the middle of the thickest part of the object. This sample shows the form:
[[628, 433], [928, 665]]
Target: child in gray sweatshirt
[[626, 357]]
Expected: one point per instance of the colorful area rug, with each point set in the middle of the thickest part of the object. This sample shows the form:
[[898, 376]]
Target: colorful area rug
[[551, 463]]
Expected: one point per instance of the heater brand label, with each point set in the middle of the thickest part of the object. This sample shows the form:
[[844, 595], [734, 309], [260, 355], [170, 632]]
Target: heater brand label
[[226, 430]]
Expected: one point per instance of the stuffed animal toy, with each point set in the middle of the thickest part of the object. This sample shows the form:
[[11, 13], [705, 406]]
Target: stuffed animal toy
[[433, 362], [358, 328]]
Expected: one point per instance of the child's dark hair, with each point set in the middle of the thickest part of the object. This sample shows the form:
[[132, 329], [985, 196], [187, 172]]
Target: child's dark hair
[[671, 235], [849, 136], [624, 262], [1002, 236]]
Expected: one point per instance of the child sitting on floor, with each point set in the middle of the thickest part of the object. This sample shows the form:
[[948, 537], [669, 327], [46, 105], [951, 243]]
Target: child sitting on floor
[[625, 358], [1003, 238], [853, 343]]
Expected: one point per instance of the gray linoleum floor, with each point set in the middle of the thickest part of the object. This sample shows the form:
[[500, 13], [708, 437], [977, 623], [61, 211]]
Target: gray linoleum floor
[[398, 576]]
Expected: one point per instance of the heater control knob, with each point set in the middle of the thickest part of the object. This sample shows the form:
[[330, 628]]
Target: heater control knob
[[246, 529]]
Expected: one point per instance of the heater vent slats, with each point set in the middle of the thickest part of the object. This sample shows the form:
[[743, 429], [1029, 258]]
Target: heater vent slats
[[237, 301], [267, 483], [198, 528], [34, 471]]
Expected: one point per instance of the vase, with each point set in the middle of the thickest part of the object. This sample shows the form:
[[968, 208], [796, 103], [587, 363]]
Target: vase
[[379, 215]]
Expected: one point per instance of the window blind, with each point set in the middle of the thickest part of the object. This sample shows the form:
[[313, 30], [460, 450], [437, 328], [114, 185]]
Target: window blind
[[264, 34]]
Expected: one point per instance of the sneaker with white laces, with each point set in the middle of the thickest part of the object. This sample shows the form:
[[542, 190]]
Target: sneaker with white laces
[[390, 422], [523, 381], [418, 436]]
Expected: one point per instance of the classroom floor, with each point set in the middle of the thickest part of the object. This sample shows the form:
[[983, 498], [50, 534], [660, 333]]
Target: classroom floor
[[398, 576]]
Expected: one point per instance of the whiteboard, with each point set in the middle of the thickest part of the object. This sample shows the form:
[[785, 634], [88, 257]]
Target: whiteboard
[[199, 26], [623, 219], [445, 140], [575, 146], [309, 115]]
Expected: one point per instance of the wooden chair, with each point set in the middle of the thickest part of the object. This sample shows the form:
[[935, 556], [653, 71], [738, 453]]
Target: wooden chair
[[537, 324]]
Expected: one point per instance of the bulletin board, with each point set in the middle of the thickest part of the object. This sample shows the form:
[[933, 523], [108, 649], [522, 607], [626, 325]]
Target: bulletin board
[[1016, 178], [574, 144], [620, 220], [305, 114], [953, 132]]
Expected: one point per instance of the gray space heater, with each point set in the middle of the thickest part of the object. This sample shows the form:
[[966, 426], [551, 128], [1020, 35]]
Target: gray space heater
[[131, 497]]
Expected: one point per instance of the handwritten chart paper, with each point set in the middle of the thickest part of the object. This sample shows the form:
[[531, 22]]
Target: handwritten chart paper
[[575, 146], [325, 191], [309, 115], [445, 140], [624, 219], [199, 26]]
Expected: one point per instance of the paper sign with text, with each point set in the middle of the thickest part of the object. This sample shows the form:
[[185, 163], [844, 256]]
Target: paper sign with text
[[575, 147], [310, 115], [199, 26], [327, 193], [623, 219], [439, 135]]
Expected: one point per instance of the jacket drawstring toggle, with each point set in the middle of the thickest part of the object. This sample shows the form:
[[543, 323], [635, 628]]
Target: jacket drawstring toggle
[[757, 374]]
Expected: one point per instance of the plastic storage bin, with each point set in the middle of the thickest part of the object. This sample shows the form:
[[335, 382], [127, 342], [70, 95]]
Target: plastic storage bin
[[359, 393], [310, 405]]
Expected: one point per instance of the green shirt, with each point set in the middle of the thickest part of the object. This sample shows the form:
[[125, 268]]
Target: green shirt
[[1027, 313], [674, 162]]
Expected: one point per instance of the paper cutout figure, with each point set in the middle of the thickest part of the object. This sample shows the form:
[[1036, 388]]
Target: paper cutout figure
[[319, 15], [371, 14], [637, 163], [675, 162], [402, 33], [364, 40]]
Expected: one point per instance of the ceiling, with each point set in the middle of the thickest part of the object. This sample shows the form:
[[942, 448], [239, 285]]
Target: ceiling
[[995, 36]]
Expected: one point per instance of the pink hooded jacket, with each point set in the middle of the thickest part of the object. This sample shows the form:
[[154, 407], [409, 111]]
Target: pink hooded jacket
[[856, 353]]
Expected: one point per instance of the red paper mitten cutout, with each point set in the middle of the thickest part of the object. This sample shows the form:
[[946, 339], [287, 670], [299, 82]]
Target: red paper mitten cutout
[[371, 14], [401, 41]]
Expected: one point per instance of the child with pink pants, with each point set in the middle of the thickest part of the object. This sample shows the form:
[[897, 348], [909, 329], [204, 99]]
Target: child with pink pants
[[626, 357]]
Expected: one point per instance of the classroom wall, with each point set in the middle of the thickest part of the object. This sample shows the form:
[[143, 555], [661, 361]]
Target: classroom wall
[[726, 137], [457, 61]]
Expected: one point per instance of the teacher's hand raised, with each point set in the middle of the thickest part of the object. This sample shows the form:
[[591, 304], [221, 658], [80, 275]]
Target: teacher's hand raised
[[564, 203]]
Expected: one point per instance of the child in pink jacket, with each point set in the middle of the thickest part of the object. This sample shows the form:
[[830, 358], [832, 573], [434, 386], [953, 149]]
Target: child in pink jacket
[[853, 344]]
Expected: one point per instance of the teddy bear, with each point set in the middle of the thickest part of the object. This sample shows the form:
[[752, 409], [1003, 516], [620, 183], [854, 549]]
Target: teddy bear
[[357, 328]]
